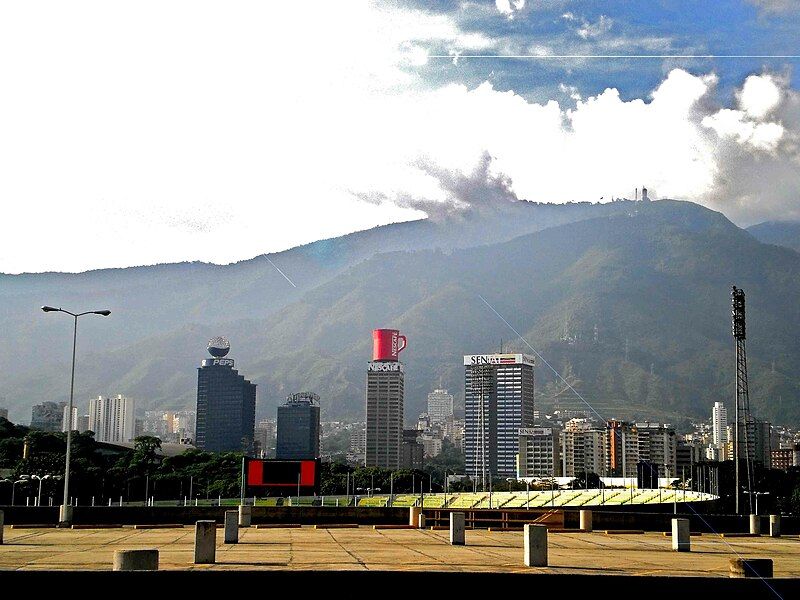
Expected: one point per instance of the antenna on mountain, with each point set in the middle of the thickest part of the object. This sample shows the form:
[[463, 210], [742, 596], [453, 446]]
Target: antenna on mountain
[[636, 194], [501, 345]]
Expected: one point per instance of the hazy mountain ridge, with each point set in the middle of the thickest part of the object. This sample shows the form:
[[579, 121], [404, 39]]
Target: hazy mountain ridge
[[778, 233], [658, 275]]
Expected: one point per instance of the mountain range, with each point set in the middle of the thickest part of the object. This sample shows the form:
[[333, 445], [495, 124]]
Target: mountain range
[[628, 301]]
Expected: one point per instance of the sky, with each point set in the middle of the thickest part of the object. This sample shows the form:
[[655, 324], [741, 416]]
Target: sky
[[164, 131]]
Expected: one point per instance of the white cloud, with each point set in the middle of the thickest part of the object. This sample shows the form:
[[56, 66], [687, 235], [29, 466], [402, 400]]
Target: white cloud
[[775, 6], [760, 95], [509, 7], [174, 131], [596, 29]]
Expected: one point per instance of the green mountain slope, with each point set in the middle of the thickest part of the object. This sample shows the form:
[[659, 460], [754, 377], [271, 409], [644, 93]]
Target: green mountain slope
[[632, 308]]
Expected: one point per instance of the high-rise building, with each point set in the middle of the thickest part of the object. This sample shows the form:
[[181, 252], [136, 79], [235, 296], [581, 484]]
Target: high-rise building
[[66, 421], [358, 444], [3, 413], [657, 446], [758, 441], [385, 380], [265, 437], [498, 399], [112, 419], [298, 428], [226, 403], [539, 452], [583, 448], [440, 406], [83, 423], [47, 416], [783, 458], [412, 451], [719, 427], [623, 449]]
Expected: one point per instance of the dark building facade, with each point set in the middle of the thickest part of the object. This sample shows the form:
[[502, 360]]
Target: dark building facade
[[47, 416], [298, 428], [412, 453], [226, 407]]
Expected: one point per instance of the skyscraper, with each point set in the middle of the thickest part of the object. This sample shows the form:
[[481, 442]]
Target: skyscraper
[[440, 406], [47, 416], [498, 398], [719, 426], [66, 421], [112, 419], [226, 403], [385, 378], [298, 428]]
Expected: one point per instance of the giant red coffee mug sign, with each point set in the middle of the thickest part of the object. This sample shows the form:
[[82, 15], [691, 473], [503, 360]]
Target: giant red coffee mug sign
[[387, 344]]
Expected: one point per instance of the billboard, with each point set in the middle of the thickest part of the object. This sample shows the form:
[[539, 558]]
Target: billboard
[[283, 476], [498, 359], [387, 344]]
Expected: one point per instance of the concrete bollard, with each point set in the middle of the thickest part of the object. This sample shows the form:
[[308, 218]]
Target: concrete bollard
[[751, 567], [535, 542], [457, 537], [231, 527], [421, 522], [774, 526], [65, 514], [136, 560], [755, 524], [681, 542], [586, 520], [413, 515], [205, 542], [245, 515], [2, 516]]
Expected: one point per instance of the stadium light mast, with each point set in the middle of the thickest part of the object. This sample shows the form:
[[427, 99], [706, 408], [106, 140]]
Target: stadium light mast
[[742, 405]]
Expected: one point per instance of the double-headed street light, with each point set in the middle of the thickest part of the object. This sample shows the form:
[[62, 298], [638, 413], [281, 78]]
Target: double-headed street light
[[65, 511]]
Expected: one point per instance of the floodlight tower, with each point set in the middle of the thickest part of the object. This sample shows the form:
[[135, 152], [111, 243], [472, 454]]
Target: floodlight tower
[[742, 413]]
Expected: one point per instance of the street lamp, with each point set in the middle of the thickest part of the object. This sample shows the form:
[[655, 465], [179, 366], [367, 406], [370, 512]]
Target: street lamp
[[65, 511]]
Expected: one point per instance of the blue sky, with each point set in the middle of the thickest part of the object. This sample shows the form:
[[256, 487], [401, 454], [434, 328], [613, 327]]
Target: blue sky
[[671, 27]]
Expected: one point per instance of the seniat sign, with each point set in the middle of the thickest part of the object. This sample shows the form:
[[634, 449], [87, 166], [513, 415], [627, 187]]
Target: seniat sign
[[498, 359]]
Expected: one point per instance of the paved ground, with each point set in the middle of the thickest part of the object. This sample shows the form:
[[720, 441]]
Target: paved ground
[[406, 550]]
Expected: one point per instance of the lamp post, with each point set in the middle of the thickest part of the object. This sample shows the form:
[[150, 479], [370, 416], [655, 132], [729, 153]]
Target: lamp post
[[65, 510]]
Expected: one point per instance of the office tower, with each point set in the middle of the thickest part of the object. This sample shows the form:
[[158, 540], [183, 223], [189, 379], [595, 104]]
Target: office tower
[[384, 400], [66, 421], [719, 426], [265, 437], [440, 406], [623, 449], [657, 445], [498, 398], [298, 428], [112, 419], [539, 452], [47, 416], [583, 448], [358, 444], [226, 403], [757, 442], [83, 423], [412, 451]]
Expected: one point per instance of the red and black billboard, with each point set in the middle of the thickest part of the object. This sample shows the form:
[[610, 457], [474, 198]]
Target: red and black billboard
[[282, 477]]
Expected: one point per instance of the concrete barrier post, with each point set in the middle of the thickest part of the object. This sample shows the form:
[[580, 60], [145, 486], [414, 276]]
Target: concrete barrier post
[[136, 560], [751, 567], [65, 514], [421, 521], [535, 543], [755, 524], [586, 520], [1, 527], [413, 515], [205, 542], [774, 526], [681, 542], [457, 537], [245, 515], [231, 527]]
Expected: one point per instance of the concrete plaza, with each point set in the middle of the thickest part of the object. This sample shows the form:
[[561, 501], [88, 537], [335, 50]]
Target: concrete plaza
[[365, 548]]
